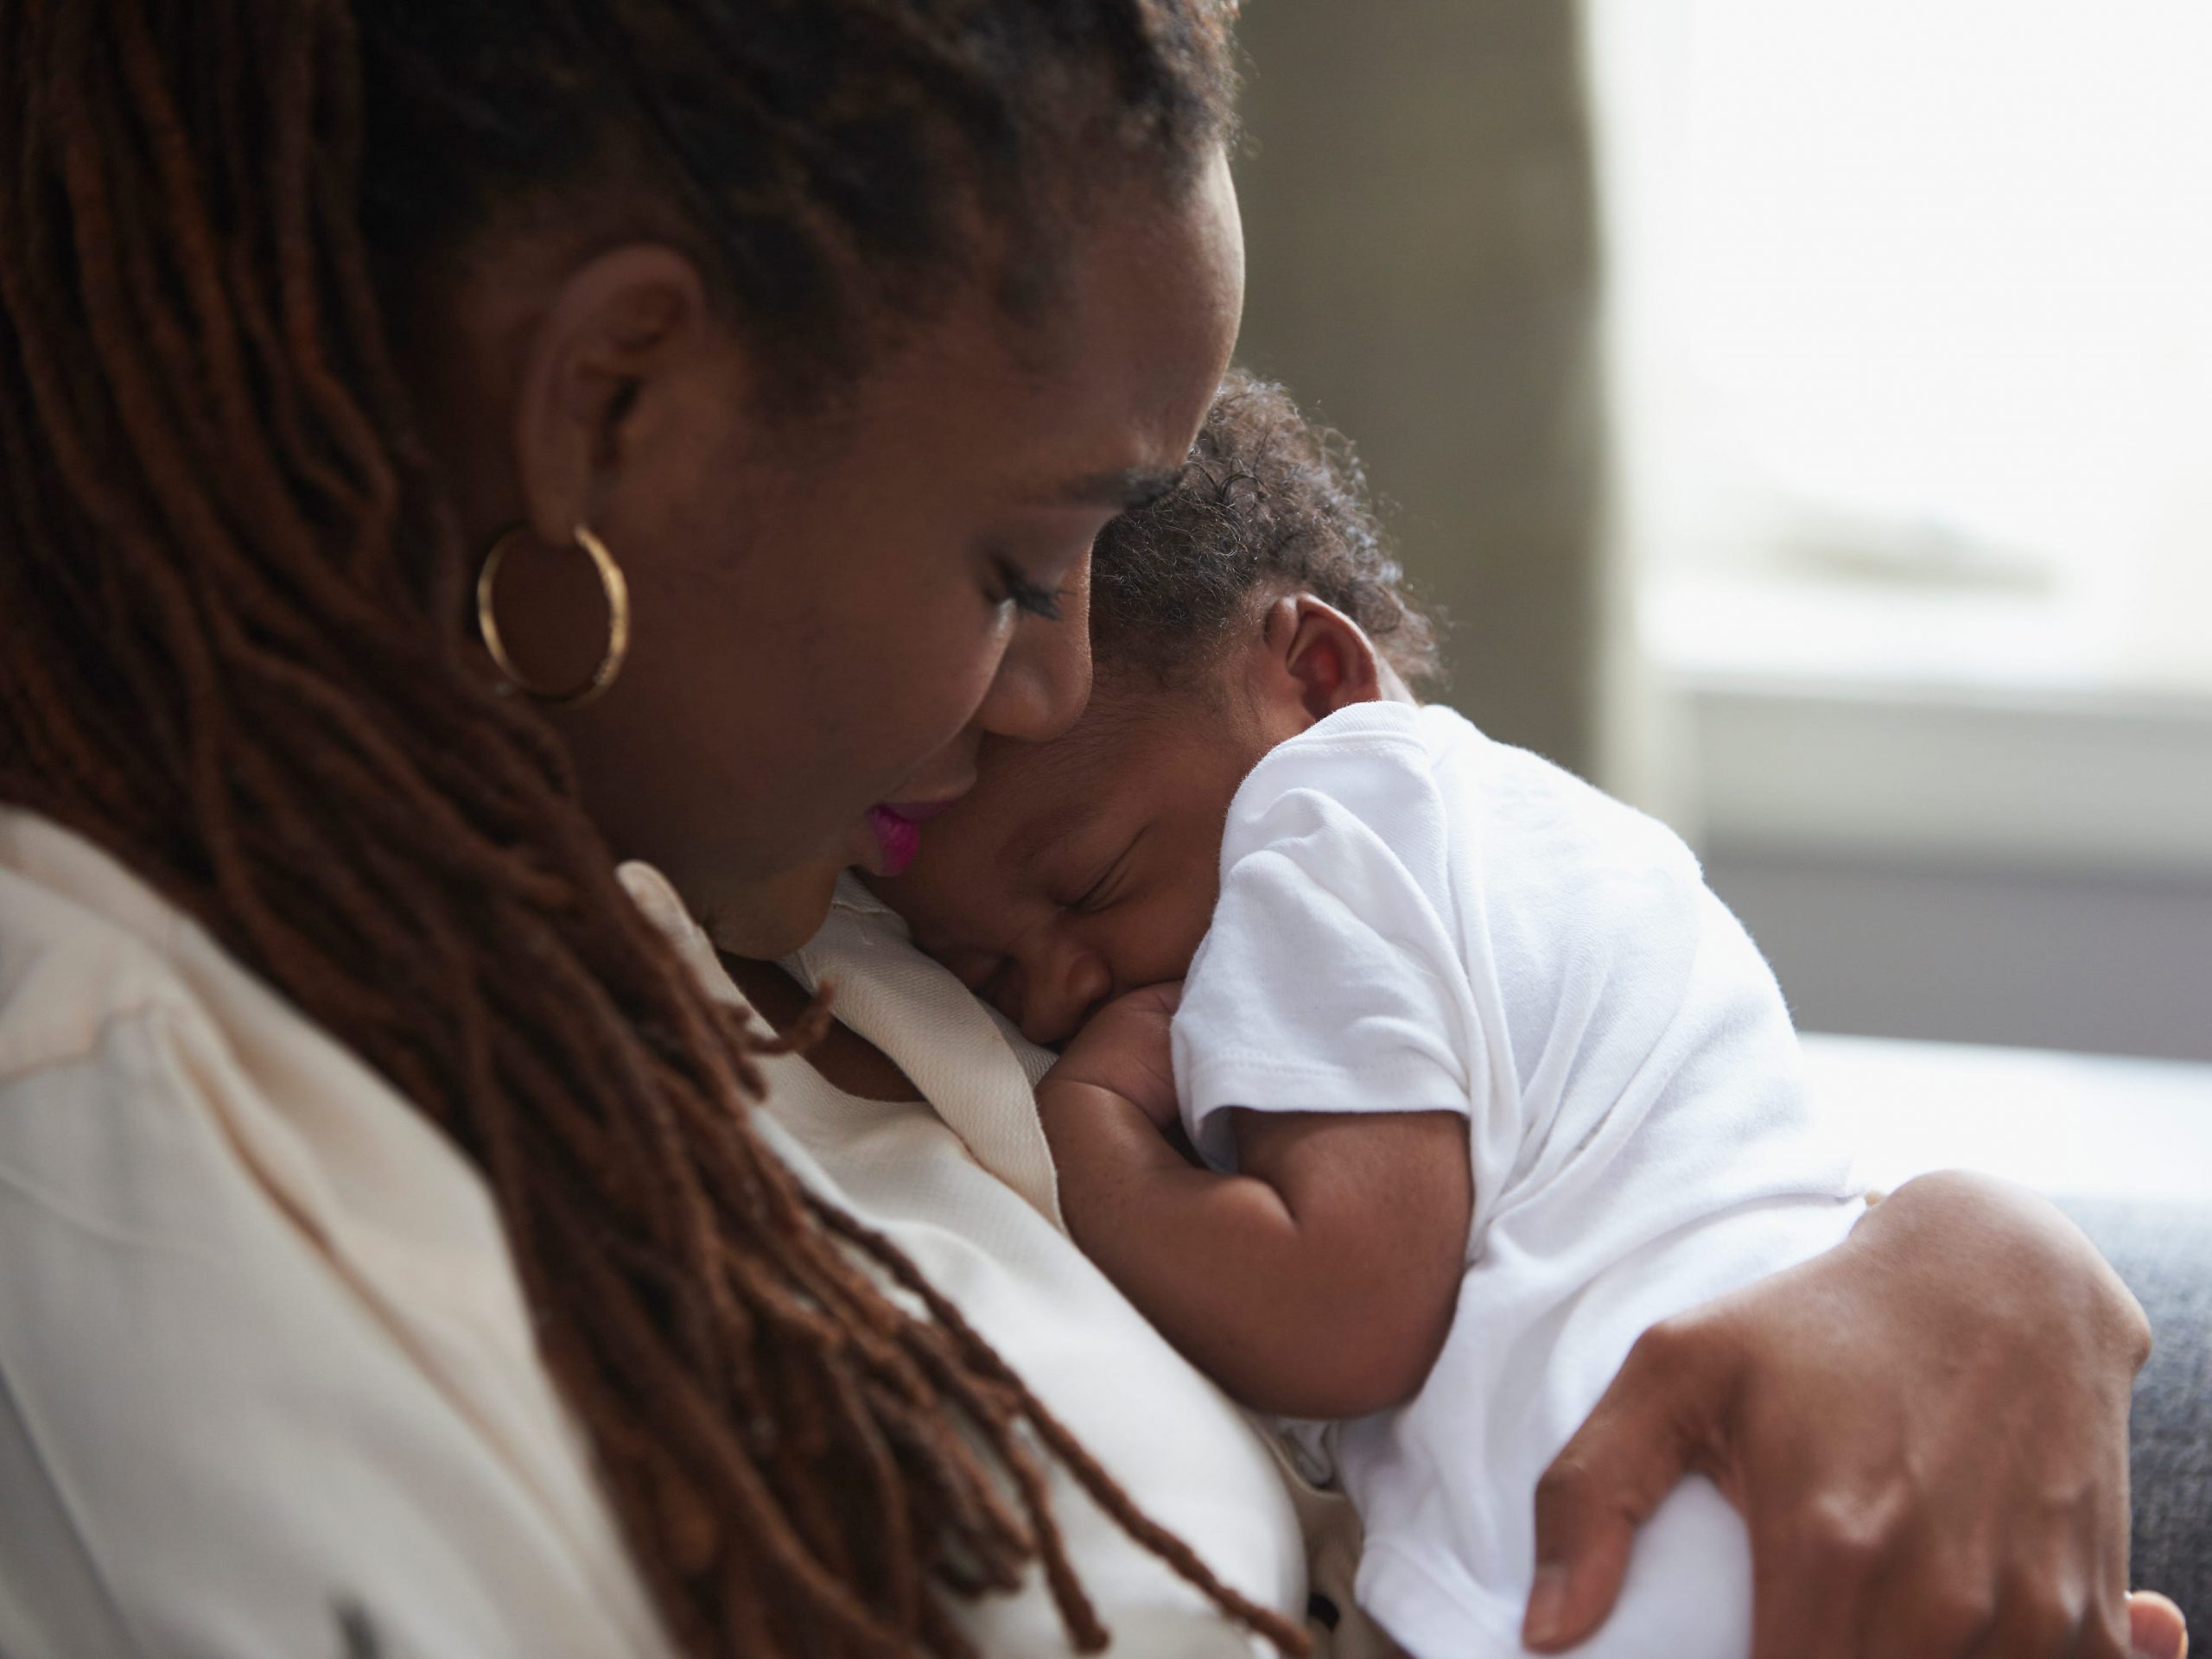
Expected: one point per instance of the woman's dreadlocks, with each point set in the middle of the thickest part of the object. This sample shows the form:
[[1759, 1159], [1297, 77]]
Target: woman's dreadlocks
[[232, 653]]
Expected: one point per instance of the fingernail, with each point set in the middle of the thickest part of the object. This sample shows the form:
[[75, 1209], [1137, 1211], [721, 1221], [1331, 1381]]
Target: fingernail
[[1546, 1618], [2156, 1629]]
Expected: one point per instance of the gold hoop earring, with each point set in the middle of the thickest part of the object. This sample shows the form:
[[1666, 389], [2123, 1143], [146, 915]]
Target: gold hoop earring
[[611, 582]]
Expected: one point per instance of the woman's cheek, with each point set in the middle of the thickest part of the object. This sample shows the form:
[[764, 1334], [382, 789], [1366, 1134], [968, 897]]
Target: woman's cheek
[[933, 687], [975, 647]]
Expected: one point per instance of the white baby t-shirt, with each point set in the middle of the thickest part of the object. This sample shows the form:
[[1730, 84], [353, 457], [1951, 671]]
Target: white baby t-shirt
[[1413, 917]]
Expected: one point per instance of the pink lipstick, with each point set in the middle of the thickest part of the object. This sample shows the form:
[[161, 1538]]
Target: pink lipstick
[[898, 828], [901, 838]]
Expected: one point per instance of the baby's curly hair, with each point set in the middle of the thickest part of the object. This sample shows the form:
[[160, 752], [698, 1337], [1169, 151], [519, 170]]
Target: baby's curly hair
[[1270, 503]]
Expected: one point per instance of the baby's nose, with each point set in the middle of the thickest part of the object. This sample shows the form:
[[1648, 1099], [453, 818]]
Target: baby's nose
[[1060, 999]]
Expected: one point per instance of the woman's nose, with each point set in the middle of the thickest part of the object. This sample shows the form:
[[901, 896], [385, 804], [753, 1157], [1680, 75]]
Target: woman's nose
[[1059, 996], [1044, 679], [945, 776]]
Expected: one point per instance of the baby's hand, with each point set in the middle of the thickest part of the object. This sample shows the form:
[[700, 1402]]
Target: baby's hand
[[1124, 1049]]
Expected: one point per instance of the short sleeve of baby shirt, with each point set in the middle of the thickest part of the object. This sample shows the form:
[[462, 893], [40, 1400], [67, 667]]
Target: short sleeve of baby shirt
[[1330, 981]]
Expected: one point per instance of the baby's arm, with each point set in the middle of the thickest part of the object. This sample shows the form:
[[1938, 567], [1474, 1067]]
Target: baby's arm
[[1319, 1281]]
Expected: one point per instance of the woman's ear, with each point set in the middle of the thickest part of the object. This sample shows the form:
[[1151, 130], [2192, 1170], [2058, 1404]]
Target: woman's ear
[[603, 377], [1316, 660]]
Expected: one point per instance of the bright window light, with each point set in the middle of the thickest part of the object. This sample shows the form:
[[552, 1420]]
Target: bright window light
[[1915, 297]]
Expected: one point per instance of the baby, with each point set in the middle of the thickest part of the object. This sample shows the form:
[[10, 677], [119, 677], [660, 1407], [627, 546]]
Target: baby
[[1404, 1078]]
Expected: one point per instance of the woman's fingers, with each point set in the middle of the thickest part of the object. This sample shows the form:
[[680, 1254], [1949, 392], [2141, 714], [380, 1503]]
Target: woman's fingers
[[1850, 1561], [1861, 1580], [2155, 1628], [1584, 1532], [1926, 1432], [1649, 1430], [2049, 1582], [2048, 1620]]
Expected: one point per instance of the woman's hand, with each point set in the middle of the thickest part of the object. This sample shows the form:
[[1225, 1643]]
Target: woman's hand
[[1124, 1049], [1925, 1431]]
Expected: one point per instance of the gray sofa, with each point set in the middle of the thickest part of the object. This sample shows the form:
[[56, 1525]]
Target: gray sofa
[[2164, 1250]]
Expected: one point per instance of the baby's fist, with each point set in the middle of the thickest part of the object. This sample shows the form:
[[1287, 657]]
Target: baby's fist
[[1124, 1049]]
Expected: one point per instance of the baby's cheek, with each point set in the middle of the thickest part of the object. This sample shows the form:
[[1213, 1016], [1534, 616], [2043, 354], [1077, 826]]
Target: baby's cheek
[[1163, 941], [1194, 919], [971, 968], [919, 896], [941, 929]]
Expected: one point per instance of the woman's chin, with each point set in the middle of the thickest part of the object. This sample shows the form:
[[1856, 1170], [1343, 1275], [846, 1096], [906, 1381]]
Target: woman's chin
[[779, 914]]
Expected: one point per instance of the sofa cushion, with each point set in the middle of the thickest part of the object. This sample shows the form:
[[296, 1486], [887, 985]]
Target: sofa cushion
[[2165, 1252]]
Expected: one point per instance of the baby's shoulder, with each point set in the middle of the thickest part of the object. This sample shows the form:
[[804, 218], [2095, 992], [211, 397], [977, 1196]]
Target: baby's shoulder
[[1367, 758], [1517, 809], [1489, 833], [1356, 795]]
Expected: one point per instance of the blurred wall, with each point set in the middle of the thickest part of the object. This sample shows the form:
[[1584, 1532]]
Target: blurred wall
[[1420, 226], [2116, 963]]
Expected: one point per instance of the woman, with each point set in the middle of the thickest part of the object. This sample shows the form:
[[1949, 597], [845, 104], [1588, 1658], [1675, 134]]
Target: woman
[[449, 448]]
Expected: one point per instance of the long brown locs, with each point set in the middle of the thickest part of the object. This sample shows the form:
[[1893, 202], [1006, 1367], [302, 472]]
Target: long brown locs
[[230, 654]]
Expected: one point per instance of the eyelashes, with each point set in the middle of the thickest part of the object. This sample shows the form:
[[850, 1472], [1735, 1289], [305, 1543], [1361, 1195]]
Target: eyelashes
[[1094, 898], [1025, 595]]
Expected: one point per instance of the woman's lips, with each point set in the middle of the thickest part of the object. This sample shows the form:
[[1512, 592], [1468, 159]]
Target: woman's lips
[[899, 837], [917, 811], [897, 826]]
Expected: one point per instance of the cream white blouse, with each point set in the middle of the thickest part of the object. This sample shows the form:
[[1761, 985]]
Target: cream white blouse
[[264, 1356]]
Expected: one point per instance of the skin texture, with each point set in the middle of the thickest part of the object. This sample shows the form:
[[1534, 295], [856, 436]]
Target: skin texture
[[1339, 1222], [819, 627], [821, 619], [1072, 888], [820, 624], [1800, 1345], [1869, 1536], [1080, 870], [1874, 1525]]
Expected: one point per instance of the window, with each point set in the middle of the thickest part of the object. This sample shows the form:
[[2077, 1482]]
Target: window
[[1910, 314], [1912, 309]]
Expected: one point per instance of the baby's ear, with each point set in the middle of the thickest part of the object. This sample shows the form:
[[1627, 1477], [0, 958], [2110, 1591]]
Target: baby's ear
[[1320, 656]]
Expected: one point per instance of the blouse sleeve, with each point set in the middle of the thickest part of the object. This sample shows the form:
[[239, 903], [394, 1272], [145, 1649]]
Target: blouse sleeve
[[215, 1436]]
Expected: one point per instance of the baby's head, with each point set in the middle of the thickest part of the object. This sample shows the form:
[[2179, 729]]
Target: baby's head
[[1251, 600]]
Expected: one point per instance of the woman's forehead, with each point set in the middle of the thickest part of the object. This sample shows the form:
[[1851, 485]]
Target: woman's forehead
[[1137, 346]]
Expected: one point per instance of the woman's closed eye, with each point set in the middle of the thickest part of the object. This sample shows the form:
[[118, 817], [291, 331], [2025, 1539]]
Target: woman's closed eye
[[1030, 598], [1035, 568]]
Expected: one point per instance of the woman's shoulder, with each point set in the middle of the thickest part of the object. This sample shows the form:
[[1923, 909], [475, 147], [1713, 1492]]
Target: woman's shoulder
[[262, 1349], [103, 980], [107, 987], [83, 945]]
